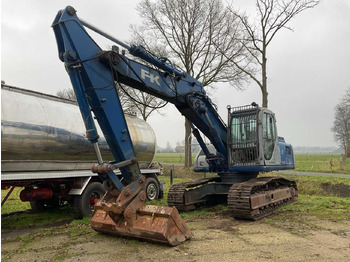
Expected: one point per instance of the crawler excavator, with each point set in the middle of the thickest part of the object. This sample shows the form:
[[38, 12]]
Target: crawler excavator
[[247, 145]]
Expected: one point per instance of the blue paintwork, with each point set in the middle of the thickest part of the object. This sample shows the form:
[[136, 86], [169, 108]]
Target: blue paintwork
[[185, 92], [141, 52], [94, 88], [287, 154], [161, 84], [249, 169], [94, 79]]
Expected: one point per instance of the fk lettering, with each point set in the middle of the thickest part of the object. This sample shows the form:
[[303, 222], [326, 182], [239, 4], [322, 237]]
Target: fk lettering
[[152, 78]]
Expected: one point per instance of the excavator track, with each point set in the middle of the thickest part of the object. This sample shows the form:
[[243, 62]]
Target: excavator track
[[259, 197], [177, 197]]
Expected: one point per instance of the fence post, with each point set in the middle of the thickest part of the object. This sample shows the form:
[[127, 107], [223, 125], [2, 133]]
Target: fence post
[[171, 174]]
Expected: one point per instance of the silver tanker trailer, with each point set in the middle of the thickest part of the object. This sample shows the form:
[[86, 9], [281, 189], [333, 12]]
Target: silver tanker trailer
[[45, 150]]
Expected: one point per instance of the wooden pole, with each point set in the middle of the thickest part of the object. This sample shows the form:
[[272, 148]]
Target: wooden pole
[[171, 174]]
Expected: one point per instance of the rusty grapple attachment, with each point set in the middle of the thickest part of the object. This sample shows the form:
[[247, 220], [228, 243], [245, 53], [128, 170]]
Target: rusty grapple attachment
[[148, 222]]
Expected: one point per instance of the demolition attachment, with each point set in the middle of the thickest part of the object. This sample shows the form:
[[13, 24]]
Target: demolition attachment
[[125, 214]]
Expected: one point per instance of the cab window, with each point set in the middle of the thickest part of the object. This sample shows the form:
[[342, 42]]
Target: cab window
[[269, 135]]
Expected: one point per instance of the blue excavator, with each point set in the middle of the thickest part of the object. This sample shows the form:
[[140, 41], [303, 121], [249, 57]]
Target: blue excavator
[[246, 145]]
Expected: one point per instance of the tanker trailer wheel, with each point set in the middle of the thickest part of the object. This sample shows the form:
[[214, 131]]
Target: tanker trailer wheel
[[151, 188], [37, 206], [44, 204], [84, 204]]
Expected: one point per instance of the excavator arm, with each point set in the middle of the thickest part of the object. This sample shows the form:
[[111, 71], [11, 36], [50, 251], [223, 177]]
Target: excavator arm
[[122, 210], [96, 72], [248, 145]]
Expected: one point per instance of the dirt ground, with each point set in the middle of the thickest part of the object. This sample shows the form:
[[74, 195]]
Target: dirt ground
[[215, 239]]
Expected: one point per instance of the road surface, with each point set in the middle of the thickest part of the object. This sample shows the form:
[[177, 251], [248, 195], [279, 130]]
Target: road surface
[[300, 173]]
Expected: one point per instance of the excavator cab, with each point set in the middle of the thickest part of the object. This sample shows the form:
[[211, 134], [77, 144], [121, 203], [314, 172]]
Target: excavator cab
[[253, 140]]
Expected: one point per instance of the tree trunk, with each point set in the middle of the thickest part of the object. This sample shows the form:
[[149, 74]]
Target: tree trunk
[[264, 78], [264, 97], [188, 154]]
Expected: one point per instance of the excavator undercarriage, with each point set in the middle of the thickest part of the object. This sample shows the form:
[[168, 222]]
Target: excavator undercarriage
[[250, 200]]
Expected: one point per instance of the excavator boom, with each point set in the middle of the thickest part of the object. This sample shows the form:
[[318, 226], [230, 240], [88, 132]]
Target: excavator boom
[[122, 211], [247, 145]]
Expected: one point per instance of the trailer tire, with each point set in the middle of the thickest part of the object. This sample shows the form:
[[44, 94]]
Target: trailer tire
[[151, 188], [84, 204], [37, 206]]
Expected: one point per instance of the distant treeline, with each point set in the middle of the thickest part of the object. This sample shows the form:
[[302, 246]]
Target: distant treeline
[[297, 150], [316, 150]]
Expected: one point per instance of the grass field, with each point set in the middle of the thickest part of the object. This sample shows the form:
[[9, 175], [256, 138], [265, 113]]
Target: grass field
[[318, 220], [321, 163], [316, 199], [303, 162], [320, 196], [326, 195], [13, 203], [322, 206], [172, 157]]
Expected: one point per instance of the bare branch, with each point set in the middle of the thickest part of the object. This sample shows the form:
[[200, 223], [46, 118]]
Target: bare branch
[[200, 37], [190, 31], [273, 15], [67, 93]]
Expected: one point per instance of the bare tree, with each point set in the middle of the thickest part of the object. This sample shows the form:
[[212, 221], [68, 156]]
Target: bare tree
[[341, 125], [132, 101], [67, 93], [193, 34], [272, 15], [136, 102]]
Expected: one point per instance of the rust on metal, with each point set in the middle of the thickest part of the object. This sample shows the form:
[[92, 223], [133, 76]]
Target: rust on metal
[[94, 168], [270, 197], [127, 215], [153, 223], [180, 197], [33, 194], [259, 197]]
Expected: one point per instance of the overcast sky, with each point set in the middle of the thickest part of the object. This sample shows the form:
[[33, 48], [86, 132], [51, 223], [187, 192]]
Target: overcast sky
[[308, 68]]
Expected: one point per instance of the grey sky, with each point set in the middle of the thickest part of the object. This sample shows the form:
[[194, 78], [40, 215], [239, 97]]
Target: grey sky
[[308, 69]]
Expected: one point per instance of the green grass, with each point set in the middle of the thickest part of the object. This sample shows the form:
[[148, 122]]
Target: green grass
[[320, 163], [303, 162], [318, 196], [309, 212], [172, 157], [318, 185], [13, 203], [332, 208], [24, 220]]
